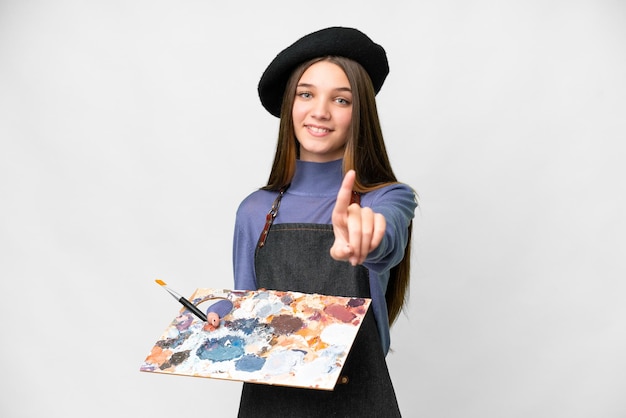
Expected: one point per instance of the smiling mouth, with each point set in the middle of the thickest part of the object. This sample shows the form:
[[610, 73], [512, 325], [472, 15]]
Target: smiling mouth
[[317, 129]]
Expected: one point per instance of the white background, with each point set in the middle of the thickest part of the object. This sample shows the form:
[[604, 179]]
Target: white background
[[131, 130]]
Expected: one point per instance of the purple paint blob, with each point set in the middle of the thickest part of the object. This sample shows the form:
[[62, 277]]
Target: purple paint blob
[[183, 321], [316, 316], [221, 349], [249, 363], [222, 308], [354, 302]]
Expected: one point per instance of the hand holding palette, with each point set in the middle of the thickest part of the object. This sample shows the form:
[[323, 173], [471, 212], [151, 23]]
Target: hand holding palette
[[268, 337]]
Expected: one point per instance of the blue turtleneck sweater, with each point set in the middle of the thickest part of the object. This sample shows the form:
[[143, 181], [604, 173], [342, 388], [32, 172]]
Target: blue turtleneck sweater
[[311, 199]]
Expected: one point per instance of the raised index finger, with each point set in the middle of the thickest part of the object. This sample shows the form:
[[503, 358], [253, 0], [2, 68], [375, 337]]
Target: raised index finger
[[344, 196]]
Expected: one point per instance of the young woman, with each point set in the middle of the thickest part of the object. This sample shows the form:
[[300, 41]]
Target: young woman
[[332, 218]]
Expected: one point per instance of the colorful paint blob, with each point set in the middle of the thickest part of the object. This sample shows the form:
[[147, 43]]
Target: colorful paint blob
[[250, 363], [286, 324], [342, 313], [269, 337], [221, 349]]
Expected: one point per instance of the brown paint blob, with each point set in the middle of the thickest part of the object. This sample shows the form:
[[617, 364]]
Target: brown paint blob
[[286, 324]]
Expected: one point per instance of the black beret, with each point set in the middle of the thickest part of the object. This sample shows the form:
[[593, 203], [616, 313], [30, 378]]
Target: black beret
[[336, 41]]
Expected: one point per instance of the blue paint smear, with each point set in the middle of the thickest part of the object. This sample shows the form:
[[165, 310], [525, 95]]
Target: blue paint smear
[[262, 295], [174, 342], [264, 311], [221, 349], [246, 325], [249, 363]]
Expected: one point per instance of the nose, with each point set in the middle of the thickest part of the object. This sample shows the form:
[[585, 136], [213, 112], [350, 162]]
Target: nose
[[320, 109]]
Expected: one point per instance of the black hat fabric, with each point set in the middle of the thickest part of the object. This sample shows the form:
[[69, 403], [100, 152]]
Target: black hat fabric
[[334, 41]]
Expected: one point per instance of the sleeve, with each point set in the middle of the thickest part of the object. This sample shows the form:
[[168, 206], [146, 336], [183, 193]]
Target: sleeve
[[244, 245], [397, 203]]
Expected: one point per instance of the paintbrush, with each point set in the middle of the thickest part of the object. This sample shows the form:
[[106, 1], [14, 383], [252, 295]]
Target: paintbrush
[[186, 303]]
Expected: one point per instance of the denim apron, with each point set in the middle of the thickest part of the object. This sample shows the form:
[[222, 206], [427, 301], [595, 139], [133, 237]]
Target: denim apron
[[296, 257]]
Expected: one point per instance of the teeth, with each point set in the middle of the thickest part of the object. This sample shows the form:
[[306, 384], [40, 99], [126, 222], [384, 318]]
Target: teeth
[[318, 130]]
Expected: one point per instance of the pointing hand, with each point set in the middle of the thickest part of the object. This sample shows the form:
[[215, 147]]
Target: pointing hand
[[358, 230]]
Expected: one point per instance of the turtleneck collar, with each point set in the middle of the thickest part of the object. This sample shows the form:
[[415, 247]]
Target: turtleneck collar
[[317, 179]]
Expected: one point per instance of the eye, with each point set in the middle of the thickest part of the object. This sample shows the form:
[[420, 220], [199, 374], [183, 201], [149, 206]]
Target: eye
[[343, 101], [304, 94]]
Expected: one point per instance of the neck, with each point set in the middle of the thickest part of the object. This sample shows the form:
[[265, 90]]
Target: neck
[[322, 179]]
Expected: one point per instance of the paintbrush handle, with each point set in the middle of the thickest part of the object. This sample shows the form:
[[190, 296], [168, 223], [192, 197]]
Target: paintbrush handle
[[193, 308]]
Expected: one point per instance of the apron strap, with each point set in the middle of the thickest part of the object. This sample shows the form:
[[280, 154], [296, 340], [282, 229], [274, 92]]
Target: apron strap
[[269, 218], [271, 215]]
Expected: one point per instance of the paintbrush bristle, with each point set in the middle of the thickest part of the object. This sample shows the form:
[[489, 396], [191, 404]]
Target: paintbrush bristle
[[161, 282]]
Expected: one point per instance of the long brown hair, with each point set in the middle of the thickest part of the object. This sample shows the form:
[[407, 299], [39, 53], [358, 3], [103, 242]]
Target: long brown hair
[[365, 153]]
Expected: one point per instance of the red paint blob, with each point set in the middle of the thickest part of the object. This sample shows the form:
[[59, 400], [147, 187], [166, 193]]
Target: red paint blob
[[340, 312]]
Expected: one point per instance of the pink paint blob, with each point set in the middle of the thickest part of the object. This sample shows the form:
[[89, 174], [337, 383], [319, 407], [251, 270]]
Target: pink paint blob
[[213, 319], [340, 312]]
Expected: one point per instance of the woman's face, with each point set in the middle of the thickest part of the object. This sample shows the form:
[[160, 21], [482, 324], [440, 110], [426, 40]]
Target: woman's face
[[322, 112]]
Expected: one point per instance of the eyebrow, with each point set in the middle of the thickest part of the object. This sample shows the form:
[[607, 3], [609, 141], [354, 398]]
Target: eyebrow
[[307, 85]]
